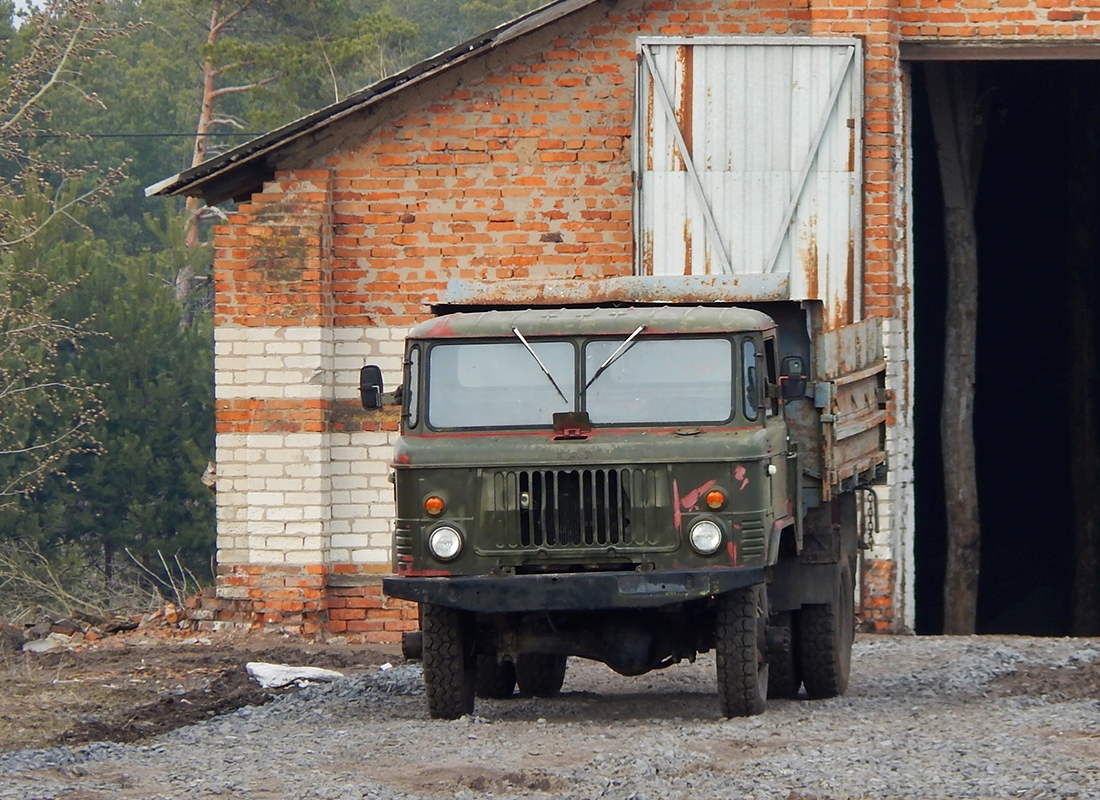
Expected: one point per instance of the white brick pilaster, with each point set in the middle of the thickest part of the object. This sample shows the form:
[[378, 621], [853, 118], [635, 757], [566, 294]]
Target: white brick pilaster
[[274, 486]]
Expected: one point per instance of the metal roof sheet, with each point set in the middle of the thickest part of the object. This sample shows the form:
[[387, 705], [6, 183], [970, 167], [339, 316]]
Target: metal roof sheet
[[590, 321]]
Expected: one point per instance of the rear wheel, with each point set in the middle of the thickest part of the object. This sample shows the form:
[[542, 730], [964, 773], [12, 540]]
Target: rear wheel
[[784, 678], [540, 674], [449, 662], [495, 678], [740, 656], [826, 633]]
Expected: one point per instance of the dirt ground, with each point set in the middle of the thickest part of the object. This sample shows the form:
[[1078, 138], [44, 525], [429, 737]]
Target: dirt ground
[[133, 686], [1058, 683], [925, 717]]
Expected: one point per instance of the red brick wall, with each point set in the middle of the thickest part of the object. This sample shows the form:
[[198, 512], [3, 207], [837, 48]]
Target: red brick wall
[[273, 268], [363, 612], [1001, 20], [520, 167], [272, 259], [878, 587], [306, 601], [524, 171]]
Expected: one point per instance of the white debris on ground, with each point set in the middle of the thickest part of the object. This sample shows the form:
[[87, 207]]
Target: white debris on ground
[[930, 717], [276, 676]]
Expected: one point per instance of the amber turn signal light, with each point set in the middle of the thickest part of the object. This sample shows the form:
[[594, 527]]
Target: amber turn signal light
[[716, 498], [434, 505]]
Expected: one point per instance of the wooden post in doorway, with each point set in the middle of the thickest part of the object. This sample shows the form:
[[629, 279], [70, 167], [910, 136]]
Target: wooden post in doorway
[[959, 128]]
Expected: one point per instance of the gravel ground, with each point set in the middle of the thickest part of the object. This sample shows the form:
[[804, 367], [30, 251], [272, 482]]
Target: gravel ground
[[928, 717]]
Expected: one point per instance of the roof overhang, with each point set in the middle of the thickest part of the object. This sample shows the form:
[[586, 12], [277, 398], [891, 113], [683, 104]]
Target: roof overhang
[[237, 172], [1016, 50]]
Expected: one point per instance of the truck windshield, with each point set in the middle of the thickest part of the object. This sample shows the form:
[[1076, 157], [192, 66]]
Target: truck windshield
[[499, 384], [661, 380], [521, 383]]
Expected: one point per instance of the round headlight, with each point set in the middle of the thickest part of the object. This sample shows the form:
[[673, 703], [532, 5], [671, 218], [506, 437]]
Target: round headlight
[[445, 543], [706, 537]]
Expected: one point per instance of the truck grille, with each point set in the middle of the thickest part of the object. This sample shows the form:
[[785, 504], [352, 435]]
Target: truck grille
[[403, 540], [752, 539], [570, 508]]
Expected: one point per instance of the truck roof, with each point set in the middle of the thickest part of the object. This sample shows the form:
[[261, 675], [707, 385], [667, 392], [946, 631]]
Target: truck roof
[[593, 321]]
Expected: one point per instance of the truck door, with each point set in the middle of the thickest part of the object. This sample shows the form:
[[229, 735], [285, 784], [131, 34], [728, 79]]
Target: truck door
[[781, 468]]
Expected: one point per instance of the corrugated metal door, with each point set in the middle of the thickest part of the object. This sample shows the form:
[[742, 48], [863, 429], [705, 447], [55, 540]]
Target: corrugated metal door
[[748, 162]]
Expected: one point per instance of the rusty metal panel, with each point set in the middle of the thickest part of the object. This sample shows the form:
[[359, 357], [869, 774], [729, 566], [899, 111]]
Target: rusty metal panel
[[850, 374], [848, 349], [748, 161], [639, 289]]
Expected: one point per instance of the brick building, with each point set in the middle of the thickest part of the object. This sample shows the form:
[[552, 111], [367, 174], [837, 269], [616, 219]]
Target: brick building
[[509, 161]]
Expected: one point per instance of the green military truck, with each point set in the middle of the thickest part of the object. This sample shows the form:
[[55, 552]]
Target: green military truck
[[634, 486]]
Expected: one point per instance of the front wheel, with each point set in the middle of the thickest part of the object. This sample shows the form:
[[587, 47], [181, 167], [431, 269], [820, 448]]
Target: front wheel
[[449, 662], [740, 651], [826, 633]]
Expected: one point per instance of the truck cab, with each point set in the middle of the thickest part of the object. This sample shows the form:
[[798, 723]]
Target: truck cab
[[616, 484]]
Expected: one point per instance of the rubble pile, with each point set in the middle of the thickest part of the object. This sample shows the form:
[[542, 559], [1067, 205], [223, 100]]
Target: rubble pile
[[80, 629]]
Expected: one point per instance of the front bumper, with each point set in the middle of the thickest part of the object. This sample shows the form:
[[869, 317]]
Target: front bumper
[[572, 591]]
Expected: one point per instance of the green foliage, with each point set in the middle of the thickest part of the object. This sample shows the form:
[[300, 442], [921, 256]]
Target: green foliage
[[443, 24], [108, 407], [280, 59], [108, 416], [49, 411], [483, 15], [142, 489], [327, 65], [43, 62], [7, 24]]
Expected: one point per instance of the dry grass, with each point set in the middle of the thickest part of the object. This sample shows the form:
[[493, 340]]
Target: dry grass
[[35, 585]]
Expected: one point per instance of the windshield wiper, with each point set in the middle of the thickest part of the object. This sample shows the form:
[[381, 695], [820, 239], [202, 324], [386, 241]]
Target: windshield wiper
[[611, 359], [542, 366]]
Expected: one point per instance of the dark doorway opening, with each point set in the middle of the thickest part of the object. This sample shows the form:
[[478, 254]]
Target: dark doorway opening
[[1023, 424]]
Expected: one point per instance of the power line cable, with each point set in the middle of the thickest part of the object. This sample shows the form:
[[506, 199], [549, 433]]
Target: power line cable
[[129, 135]]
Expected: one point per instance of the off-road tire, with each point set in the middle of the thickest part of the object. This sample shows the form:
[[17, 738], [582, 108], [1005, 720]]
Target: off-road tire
[[826, 633], [540, 674], [742, 666], [449, 663], [784, 677], [496, 679]]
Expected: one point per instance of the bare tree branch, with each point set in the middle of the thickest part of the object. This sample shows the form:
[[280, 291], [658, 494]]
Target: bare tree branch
[[54, 212], [34, 99], [248, 87], [46, 416]]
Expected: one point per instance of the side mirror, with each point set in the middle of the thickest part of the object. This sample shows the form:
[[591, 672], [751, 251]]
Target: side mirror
[[370, 387], [793, 379]]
